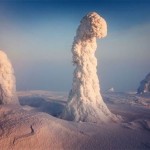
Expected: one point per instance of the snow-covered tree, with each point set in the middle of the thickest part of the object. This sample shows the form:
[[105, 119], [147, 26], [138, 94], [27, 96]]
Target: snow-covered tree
[[144, 85], [7, 81], [85, 102]]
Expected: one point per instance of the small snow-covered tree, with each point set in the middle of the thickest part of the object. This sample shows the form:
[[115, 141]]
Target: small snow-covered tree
[[85, 102], [7, 81], [144, 85]]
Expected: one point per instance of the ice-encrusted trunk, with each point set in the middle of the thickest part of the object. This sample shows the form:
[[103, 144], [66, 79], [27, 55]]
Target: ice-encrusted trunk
[[85, 102], [7, 81]]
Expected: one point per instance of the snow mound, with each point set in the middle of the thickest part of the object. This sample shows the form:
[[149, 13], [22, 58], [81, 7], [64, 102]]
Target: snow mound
[[111, 90], [22, 129], [7, 81]]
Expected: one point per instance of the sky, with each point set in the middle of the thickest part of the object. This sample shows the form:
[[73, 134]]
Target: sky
[[37, 37]]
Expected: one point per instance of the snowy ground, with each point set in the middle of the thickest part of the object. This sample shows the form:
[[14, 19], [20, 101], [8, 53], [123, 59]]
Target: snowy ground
[[36, 126]]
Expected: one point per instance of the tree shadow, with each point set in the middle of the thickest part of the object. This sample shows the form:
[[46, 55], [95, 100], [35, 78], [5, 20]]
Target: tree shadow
[[50, 106]]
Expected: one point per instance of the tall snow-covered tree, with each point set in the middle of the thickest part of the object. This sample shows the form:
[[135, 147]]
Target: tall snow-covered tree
[[85, 102], [7, 81]]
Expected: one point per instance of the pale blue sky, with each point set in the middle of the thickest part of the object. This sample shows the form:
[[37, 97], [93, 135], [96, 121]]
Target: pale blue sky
[[37, 36]]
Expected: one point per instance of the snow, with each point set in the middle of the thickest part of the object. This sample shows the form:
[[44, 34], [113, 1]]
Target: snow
[[7, 81], [29, 127], [85, 102], [111, 90]]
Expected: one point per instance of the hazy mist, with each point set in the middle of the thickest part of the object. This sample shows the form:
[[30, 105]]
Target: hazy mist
[[38, 40]]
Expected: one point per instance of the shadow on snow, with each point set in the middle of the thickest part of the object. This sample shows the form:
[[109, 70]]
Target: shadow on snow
[[52, 107]]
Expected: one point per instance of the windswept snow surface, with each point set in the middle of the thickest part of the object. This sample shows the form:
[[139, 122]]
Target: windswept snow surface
[[7, 81], [85, 102], [31, 126]]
